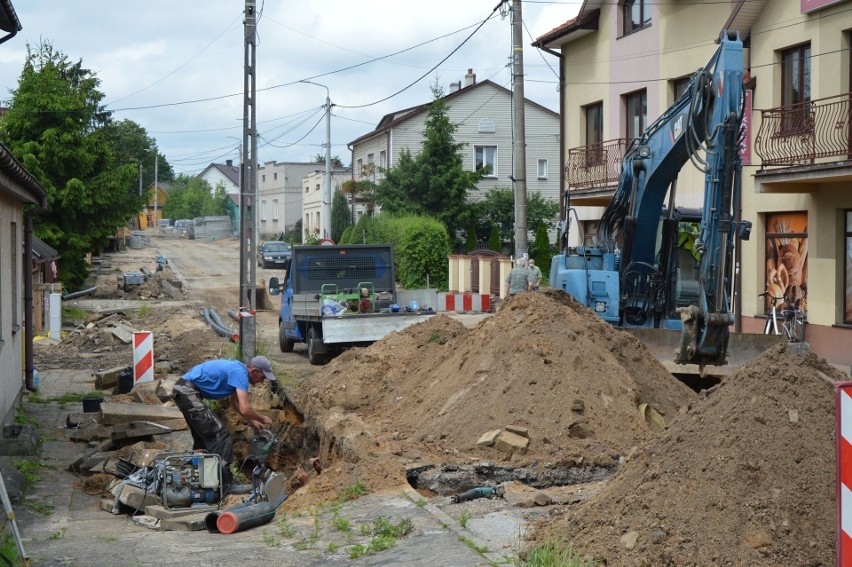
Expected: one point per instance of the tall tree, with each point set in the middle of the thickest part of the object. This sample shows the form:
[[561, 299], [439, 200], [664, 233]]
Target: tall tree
[[131, 144], [334, 161], [58, 129], [191, 197], [498, 208], [435, 181], [340, 217]]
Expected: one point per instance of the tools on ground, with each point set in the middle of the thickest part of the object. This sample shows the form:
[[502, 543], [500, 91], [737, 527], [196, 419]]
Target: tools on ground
[[479, 492]]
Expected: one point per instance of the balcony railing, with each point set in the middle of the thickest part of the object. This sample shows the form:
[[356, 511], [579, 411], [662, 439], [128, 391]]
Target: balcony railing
[[805, 133], [596, 165]]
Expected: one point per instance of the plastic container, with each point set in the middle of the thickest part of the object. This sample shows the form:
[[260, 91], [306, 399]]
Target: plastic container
[[35, 378], [92, 404]]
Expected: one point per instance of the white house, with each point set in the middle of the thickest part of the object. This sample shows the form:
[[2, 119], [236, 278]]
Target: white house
[[227, 174], [483, 113], [279, 187], [313, 186]]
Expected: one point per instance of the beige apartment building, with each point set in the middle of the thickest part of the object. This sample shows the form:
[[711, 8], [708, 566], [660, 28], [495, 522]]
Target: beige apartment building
[[622, 64]]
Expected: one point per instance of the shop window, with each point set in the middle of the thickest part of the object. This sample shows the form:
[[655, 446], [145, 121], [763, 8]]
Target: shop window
[[787, 259]]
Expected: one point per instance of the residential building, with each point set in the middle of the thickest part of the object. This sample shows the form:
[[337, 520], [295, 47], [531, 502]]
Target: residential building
[[623, 63], [225, 174], [483, 113], [17, 189], [280, 194], [313, 189]]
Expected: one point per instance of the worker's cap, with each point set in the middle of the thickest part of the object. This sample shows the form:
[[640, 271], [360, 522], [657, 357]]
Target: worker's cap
[[262, 364]]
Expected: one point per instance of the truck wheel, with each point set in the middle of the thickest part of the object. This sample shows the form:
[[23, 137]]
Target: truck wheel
[[285, 344], [315, 358]]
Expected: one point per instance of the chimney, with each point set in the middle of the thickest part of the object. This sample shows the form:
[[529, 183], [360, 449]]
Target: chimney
[[455, 87], [229, 162], [470, 78]]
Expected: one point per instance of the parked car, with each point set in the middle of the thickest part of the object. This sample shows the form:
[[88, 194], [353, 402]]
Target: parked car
[[273, 254]]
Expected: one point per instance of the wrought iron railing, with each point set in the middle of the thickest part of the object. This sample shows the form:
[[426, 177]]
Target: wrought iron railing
[[595, 165], [804, 133]]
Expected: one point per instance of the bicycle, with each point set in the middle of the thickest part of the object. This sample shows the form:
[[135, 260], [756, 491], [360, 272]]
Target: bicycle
[[792, 320]]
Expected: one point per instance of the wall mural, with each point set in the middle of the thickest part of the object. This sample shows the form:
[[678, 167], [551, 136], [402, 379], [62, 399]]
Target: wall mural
[[787, 259]]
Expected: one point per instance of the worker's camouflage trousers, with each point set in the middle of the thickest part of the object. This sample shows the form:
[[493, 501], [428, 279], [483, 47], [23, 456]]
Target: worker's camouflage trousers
[[207, 430]]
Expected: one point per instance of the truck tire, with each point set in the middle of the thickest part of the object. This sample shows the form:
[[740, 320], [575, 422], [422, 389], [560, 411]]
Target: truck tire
[[285, 344], [315, 358]]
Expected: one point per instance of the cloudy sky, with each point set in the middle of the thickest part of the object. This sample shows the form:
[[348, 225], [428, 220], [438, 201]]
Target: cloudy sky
[[176, 68]]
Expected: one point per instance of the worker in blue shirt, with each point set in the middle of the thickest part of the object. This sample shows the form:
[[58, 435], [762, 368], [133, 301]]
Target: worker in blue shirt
[[217, 380]]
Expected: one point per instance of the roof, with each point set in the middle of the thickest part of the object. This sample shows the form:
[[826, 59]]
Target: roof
[[42, 251], [389, 121], [29, 190], [232, 172], [743, 15]]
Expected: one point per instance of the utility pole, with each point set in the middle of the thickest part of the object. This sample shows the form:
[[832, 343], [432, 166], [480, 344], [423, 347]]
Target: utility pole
[[248, 192], [519, 143], [326, 201], [156, 192]]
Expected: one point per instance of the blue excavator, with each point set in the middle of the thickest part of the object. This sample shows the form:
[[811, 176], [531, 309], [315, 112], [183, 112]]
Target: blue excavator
[[661, 272]]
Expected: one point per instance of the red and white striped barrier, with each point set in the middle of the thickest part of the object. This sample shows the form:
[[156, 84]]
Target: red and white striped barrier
[[464, 302], [143, 357], [844, 473]]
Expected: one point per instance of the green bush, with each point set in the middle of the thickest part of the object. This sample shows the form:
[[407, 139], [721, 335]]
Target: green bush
[[542, 251], [494, 240]]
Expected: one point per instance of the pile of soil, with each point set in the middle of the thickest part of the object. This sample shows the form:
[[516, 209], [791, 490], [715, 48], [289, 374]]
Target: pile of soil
[[543, 363], [747, 478]]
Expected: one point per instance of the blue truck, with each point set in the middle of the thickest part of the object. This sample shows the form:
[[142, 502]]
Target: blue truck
[[340, 296]]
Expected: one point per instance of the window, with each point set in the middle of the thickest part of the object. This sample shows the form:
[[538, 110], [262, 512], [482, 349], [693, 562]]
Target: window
[[679, 86], [796, 89], [590, 232], [307, 188], [787, 259], [542, 169], [485, 156], [275, 176], [847, 279], [635, 14], [317, 187], [594, 134], [263, 210], [263, 178], [636, 105], [360, 167], [275, 209]]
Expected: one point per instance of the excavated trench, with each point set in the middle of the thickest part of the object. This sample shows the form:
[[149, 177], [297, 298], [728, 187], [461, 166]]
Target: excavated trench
[[448, 480]]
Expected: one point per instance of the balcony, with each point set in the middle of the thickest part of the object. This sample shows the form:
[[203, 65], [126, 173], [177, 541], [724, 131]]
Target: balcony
[[596, 165], [813, 132]]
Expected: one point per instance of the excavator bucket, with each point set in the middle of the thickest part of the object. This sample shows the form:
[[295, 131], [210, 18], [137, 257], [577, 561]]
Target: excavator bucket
[[742, 347]]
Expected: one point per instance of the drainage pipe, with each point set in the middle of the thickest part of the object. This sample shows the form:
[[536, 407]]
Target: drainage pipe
[[220, 329], [80, 293], [242, 517]]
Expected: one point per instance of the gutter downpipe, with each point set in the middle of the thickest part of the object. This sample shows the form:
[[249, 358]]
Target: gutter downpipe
[[28, 290]]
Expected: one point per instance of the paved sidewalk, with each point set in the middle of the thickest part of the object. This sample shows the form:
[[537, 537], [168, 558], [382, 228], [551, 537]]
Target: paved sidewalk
[[78, 533]]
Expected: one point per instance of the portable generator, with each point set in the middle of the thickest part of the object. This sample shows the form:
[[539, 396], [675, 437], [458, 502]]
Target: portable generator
[[190, 479]]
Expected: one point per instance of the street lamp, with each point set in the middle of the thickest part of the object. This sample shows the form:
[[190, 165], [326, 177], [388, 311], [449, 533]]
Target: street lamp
[[325, 210]]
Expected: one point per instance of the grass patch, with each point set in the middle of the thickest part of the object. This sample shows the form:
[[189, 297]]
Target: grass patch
[[285, 528], [437, 338], [385, 534], [553, 554], [421, 502], [58, 535], [463, 519], [332, 547], [29, 471], [353, 491], [74, 313], [341, 524], [469, 542], [270, 540], [22, 418], [36, 398], [39, 508], [143, 311]]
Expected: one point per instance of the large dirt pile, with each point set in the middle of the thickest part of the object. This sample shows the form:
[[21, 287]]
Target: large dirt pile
[[543, 362], [747, 478]]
